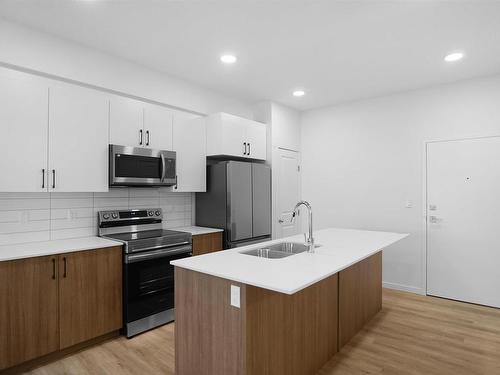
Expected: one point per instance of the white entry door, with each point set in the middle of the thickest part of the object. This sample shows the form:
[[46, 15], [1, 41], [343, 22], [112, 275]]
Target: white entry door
[[287, 192], [463, 220]]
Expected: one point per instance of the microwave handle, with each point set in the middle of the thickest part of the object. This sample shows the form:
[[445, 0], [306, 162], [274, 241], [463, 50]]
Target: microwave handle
[[162, 167]]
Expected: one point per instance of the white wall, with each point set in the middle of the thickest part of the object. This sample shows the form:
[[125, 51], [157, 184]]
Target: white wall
[[363, 161], [39, 52], [283, 131], [285, 127]]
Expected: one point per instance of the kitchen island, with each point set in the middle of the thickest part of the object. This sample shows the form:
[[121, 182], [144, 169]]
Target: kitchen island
[[241, 314]]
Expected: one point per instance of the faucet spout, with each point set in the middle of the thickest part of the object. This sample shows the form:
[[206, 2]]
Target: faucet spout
[[309, 239]]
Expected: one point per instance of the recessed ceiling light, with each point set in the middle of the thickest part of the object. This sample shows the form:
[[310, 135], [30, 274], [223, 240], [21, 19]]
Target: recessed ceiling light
[[455, 56], [228, 59], [299, 93]]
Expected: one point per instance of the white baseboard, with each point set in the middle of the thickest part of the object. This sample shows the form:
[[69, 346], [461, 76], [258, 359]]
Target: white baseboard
[[404, 288]]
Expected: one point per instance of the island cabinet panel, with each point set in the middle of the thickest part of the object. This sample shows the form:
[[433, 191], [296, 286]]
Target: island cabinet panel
[[208, 330], [207, 243], [360, 296], [28, 310], [270, 333], [291, 334], [90, 294]]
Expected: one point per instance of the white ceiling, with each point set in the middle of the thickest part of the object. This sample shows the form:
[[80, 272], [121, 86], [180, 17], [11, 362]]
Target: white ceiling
[[336, 50]]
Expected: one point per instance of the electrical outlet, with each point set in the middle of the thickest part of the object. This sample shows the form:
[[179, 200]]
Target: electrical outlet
[[235, 296]]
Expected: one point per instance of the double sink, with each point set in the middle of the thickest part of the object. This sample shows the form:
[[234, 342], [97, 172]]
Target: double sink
[[276, 251]]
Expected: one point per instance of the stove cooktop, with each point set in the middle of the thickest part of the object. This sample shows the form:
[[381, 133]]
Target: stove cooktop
[[144, 235]]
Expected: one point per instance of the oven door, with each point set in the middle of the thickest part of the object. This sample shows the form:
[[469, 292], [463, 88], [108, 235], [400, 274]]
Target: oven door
[[149, 281], [136, 166]]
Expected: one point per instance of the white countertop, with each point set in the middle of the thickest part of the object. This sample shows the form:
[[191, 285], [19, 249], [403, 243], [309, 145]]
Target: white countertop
[[195, 231], [340, 248], [37, 249]]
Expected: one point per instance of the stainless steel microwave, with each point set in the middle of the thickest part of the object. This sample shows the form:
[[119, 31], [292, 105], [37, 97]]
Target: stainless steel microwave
[[137, 166]]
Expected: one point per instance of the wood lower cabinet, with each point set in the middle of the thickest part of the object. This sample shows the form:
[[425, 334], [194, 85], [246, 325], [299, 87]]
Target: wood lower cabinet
[[270, 333], [51, 303], [28, 309], [207, 243], [360, 296], [90, 295]]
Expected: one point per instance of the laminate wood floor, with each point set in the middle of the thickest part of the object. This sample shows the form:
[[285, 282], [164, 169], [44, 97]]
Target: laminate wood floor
[[411, 335]]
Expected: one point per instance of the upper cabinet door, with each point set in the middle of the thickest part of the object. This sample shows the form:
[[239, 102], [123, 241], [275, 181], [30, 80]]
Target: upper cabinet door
[[78, 139], [225, 135], [127, 122], [157, 127], [24, 129], [230, 135], [190, 144], [256, 140], [233, 135]]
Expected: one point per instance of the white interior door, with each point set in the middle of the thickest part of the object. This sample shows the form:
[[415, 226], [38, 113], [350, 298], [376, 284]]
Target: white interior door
[[463, 225], [24, 125], [78, 139], [286, 192]]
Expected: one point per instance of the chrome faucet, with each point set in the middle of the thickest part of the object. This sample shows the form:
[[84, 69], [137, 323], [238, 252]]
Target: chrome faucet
[[309, 238]]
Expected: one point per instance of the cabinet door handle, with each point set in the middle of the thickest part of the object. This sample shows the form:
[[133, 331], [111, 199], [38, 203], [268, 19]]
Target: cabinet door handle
[[244, 148], [65, 267], [140, 137], [147, 137], [175, 187], [53, 268], [53, 178], [249, 152], [43, 178]]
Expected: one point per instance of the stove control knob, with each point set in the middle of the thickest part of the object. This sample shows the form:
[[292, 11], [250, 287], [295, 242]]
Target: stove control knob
[[105, 216], [150, 213], [157, 213], [114, 215]]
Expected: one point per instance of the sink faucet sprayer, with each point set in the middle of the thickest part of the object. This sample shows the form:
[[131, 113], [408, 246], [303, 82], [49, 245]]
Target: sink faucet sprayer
[[309, 239]]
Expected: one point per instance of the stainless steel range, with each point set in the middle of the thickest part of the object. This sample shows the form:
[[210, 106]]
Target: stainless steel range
[[148, 276]]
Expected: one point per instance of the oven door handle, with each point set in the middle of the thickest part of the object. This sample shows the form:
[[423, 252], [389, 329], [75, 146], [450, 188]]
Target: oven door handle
[[162, 167], [157, 254]]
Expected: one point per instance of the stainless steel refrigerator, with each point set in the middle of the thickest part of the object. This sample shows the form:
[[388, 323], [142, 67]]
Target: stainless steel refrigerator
[[238, 200]]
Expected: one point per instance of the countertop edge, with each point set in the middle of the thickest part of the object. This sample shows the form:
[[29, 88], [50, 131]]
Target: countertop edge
[[291, 291], [272, 288], [55, 247], [198, 231]]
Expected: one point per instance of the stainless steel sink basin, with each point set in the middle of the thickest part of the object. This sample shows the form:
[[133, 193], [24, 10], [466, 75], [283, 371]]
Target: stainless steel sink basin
[[276, 251], [266, 253], [289, 247]]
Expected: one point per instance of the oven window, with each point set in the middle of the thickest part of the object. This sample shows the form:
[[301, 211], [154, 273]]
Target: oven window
[[137, 166], [149, 287]]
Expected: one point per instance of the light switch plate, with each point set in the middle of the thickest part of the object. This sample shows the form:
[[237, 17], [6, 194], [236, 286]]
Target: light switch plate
[[235, 296]]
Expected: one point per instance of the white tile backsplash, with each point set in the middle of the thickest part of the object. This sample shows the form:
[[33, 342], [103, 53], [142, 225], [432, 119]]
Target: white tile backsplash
[[32, 217]]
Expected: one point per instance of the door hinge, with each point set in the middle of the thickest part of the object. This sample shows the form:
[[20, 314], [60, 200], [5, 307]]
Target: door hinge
[[298, 168]]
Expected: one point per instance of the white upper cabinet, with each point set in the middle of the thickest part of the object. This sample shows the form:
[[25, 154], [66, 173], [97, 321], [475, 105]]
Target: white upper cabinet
[[157, 127], [256, 140], [126, 121], [78, 139], [189, 136], [231, 135], [24, 125]]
